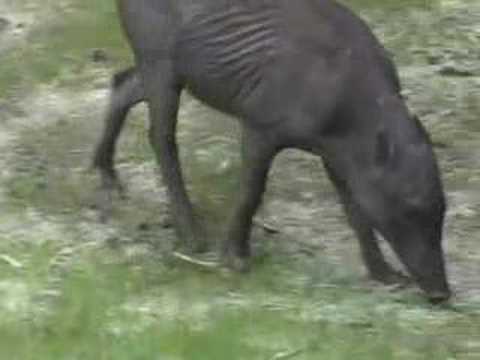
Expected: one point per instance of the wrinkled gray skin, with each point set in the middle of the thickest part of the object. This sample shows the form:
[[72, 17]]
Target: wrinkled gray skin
[[305, 74]]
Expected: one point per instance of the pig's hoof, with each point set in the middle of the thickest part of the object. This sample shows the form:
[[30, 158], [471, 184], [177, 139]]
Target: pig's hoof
[[104, 216], [439, 297], [122, 193], [121, 190], [199, 246], [241, 265], [104, 206], [112, 184], [238, 264], [197, 243]]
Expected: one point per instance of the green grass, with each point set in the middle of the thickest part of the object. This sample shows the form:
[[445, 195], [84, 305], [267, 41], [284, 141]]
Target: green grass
[[61, 49], [112, 311]]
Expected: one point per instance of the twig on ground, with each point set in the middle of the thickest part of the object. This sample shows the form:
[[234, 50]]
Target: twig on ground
[[287, 354], [269, 228], [197, 262], [11, 261]]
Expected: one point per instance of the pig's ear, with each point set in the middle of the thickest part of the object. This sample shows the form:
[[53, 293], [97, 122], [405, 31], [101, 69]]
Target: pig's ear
[[384, 149]]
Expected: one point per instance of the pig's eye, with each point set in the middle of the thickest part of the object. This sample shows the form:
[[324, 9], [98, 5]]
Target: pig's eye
[[383, 150]]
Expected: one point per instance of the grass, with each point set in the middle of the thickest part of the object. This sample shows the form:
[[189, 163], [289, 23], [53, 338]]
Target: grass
[[61, 49], [106, 310]]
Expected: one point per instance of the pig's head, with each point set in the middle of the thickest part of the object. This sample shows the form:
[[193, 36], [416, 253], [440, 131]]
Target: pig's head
[[398, 186]]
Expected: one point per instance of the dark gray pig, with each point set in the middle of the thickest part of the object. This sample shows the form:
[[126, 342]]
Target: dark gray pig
[[305, 74]]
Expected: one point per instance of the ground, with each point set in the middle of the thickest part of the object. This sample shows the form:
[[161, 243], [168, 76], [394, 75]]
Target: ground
[[73, 288]]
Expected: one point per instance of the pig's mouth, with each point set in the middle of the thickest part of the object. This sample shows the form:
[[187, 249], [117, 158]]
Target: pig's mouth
[[435, 293]]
